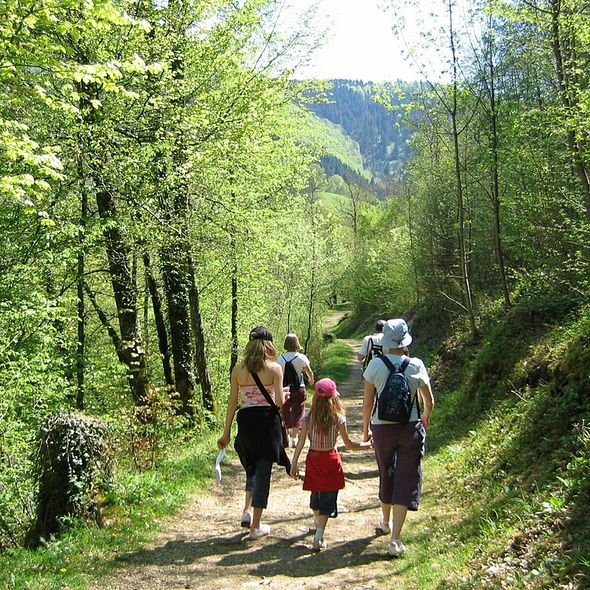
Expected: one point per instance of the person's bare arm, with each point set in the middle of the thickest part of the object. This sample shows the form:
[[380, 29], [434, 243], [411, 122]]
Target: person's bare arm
[[368, 409], [349, 444], [298, 449], [425, 392], [309, 374], [277, 381], [232, 406]]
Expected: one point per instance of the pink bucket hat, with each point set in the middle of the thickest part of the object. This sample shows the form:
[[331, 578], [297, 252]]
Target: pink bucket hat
[[326, 388]]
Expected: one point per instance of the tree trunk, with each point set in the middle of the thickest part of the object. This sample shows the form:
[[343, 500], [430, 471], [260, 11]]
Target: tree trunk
[[118, 251], [159, 321], [175, 280], [234, 315], [568, 92], [498, 246], [463, 257], [199, 336], [80, 349]]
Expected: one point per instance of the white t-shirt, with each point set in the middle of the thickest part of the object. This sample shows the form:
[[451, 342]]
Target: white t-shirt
[[377, 372], [365, 346], [299, 361]]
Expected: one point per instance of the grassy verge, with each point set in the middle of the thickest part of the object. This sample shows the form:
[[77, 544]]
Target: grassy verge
[[134, 505], [509, 456], [336, 362]]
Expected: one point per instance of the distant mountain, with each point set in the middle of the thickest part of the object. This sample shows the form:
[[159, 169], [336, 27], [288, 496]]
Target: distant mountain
[[379, 132]]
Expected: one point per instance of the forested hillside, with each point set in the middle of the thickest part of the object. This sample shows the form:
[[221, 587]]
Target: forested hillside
[[162, 193], [379, 131]]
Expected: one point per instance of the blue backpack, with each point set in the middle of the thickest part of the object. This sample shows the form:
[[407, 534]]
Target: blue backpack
[[395, 401]]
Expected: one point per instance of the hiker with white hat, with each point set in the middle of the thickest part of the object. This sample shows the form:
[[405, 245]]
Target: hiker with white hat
[[399, 442]]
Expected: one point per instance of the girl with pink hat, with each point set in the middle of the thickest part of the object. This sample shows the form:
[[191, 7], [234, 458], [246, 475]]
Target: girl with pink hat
[[324, 475]]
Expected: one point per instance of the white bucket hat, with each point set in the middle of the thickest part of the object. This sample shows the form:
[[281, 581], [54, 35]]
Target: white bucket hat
[[396, 334]]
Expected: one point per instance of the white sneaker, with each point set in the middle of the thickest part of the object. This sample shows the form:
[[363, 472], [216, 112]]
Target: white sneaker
[[396, 548], [259, 533], [319, 544], [246, 521], [385, 526]]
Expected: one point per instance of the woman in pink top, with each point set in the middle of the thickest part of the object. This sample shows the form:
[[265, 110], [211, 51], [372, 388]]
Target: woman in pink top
[[324, 475], [259, 442]]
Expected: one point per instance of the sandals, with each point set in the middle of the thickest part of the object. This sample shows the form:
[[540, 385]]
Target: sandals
[[384, 526]]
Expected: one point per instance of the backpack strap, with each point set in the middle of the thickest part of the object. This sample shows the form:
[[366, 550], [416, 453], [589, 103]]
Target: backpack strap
[[285, 358], [367, 360]]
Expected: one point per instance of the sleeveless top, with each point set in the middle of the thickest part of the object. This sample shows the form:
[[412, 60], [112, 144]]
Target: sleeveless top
[[251, 396], [321, 441]]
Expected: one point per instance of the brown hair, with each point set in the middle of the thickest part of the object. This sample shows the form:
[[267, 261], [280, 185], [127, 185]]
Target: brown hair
[[325, 411], [292, 343], [257, 353]]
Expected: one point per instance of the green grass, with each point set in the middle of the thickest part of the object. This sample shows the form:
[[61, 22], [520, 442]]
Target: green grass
[[513, 451], [336, 362], [133, 507]]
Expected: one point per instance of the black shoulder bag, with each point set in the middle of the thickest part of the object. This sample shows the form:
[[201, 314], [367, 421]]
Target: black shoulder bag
[[271, 402]]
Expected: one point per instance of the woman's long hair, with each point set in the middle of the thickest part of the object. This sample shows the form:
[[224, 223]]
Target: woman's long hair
[[325, 411], [257, 353]]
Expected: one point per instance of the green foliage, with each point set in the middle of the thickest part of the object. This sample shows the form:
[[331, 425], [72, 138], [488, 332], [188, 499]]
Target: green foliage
[[380, 275], [132, 506], [72, 466], [519, 444]]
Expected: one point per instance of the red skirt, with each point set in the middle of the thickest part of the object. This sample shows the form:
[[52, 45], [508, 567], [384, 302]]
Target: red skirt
[[323, 471]]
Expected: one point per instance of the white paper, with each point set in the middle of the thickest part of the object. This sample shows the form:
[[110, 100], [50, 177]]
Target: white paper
[[220, 457]]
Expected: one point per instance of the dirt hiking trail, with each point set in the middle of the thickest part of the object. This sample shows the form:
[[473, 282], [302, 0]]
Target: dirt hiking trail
[[204, 547]]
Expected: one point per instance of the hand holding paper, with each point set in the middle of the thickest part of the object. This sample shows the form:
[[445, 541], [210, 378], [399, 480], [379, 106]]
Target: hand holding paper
[[220, 457]]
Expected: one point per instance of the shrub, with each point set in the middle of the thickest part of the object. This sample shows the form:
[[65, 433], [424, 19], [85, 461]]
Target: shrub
[[73, 465]]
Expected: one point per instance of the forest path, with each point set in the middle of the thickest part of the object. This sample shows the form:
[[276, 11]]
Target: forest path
[[204, 546]]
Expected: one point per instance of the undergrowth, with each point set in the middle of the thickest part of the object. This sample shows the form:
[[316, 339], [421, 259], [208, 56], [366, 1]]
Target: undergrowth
[[132, 508], [513, 409]]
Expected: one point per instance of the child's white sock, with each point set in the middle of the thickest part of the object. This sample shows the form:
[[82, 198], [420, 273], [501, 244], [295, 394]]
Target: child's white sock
[[319, 534]]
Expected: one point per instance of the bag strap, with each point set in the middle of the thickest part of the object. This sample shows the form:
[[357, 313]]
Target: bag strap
[[264, 392], [388, 363], [285, 358]]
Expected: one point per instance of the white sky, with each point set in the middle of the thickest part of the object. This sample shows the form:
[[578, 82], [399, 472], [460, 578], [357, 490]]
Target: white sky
[[361, 44]]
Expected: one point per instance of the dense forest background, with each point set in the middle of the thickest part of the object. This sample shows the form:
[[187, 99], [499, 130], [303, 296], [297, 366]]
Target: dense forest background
[[167, 183]]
